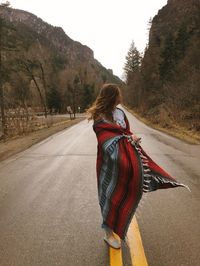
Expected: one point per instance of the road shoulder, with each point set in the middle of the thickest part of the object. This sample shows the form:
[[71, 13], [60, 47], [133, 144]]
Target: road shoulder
[[21, 143], [176, 131]]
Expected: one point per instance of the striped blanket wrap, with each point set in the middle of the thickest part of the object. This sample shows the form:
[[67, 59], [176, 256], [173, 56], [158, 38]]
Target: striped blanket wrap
[[124, 172]]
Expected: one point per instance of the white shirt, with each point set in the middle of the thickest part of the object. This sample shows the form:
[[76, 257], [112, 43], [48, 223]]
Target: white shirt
[[118, 117]]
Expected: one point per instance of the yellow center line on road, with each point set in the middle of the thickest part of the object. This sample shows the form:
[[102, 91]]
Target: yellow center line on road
[[137, 253], [115, 255]]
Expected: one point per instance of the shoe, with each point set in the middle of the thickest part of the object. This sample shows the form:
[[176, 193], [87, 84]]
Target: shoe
[[111, 241]]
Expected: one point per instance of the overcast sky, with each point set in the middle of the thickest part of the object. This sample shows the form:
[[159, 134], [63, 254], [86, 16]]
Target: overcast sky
[[106, 26]]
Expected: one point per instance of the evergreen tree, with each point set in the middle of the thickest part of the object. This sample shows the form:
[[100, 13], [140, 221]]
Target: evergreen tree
[[133, 60], [54, 99], [181, 42], [173, 50], [168, 54], [88, 95]]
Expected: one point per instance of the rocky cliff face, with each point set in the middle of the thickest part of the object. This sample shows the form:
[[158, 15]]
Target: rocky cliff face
[[63, 43], [171, 64], [172, 16], [175, 29]]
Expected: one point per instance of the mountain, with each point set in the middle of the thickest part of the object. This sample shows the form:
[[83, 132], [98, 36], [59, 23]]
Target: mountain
[[56, 35], [47, 59], [170, 69]]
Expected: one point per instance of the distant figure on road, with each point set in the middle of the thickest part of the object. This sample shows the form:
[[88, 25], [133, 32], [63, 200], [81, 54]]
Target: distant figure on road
[[124, 170]]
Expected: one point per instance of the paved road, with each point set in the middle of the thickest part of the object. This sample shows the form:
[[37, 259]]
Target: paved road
[[49, 212], [169, 219]]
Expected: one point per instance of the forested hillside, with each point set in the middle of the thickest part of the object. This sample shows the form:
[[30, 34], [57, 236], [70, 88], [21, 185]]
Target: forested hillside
[[42, 69], [164, 84]]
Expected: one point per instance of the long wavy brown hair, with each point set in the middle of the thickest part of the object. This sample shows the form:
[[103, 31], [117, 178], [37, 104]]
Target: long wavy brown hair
[[109, 96]]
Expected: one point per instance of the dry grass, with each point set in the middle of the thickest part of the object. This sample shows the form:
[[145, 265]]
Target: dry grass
[[20, 123], [175, 130]]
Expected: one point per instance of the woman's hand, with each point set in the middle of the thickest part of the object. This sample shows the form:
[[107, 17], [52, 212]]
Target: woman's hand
[[135, 138]]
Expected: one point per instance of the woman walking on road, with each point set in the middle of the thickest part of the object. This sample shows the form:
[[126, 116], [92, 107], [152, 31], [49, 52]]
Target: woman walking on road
[[124, 170]]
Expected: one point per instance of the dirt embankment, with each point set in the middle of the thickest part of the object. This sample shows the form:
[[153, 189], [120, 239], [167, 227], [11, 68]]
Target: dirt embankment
[[173, 129]]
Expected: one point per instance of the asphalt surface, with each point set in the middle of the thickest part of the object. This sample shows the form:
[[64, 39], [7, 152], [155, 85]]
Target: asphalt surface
[[49, 212], [169, 219]]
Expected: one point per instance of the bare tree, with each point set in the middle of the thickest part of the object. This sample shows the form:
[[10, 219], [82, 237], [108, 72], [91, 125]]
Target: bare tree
[[27, 65]]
